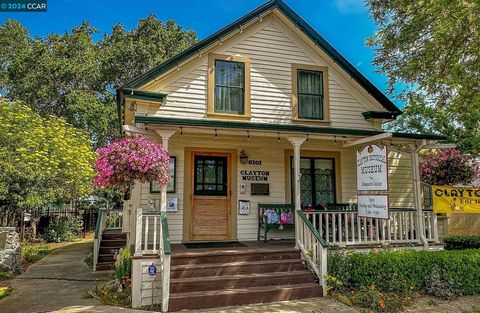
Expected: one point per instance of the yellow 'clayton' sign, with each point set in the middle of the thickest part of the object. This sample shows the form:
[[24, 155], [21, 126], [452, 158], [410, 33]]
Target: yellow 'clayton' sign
[[456, 199]]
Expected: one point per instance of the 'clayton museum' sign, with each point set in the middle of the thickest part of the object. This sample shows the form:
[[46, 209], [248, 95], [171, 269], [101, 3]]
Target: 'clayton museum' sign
[[372, 172]]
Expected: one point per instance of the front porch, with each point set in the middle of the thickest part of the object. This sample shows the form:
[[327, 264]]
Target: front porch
[[307, 179]]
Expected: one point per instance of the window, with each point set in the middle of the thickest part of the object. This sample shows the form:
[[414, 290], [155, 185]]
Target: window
[[309, 93], [317, 183], [210, 176], [228, 87]]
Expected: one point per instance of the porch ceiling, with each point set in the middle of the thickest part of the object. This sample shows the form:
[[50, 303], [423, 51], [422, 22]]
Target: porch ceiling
[[288, 128]]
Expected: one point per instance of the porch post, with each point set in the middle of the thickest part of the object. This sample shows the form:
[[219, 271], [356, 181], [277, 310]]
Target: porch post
[[165, 134], [417, 193], [296, 142]]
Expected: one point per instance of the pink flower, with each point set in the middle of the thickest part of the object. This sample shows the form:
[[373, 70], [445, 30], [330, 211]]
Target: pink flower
[[125, 161]]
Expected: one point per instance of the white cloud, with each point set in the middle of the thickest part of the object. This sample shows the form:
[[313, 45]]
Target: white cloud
[[359, 63], [350, 6]]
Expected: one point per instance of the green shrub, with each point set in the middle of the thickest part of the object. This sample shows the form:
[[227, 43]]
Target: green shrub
[[34, 253], [5, 275], [63, 229], [406, 271], [462, 242], [123, 265]]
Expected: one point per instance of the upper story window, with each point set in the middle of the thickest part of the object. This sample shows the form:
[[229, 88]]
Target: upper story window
[[228, 87], [309, 93]]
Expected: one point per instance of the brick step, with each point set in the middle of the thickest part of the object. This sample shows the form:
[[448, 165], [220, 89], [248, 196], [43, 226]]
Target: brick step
[[239, 255], [180, 285], [240, 296], [113, 243], [105, 266], [236, 268]]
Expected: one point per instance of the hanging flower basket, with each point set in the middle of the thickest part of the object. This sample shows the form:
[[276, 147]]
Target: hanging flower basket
[[125, 161]]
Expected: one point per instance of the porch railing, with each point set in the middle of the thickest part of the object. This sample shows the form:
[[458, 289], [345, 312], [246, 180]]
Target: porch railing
[[97, 239], [114, 220], [152, 238], [344, 227], [313, 248]]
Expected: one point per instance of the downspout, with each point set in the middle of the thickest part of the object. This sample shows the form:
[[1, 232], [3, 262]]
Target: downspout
[[417, 192]]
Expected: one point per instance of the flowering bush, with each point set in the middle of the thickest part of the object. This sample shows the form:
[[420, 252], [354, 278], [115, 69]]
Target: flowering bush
[[448, 167], [123, 162]]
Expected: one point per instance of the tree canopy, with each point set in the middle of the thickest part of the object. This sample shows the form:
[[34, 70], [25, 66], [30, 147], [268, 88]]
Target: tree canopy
[[72, 76], [42, 159], [430, 52]]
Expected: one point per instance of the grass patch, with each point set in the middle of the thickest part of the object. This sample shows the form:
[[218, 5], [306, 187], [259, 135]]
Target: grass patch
[[35, 252], [5, 291], [6, 275]]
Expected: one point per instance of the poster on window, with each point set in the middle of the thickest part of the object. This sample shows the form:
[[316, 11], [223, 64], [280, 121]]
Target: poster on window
[[372, 169], [374, 206], [155, 187]]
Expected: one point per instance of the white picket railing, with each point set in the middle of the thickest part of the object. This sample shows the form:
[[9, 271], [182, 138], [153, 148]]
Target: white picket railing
[[152, 238], [345, 227], [313, 248], [99, 228], [114, 220]]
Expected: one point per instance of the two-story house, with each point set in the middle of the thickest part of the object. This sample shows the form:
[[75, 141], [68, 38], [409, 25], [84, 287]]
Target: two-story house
[[261, 119]]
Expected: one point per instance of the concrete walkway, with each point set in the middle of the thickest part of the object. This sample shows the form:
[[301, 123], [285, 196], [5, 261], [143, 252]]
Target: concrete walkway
[[58, 281]]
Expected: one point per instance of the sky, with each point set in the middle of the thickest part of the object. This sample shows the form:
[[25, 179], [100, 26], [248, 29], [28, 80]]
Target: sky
[[345, 24]]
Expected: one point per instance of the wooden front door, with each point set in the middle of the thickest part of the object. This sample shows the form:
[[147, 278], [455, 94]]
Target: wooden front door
[[211, 197]]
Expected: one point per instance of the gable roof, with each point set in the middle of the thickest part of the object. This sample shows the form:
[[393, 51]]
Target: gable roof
[[296, 20]]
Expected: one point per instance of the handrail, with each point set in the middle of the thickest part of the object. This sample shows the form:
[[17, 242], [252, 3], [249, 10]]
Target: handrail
[[165, 234], [312, 229], [313, 248], [98, 237], [97, 225]]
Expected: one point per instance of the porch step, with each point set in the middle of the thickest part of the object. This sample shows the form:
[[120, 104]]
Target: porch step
[[238, 296], [178, 285], [217, 278], [105, 266], [240, 255], [236, 268], [113, 243]]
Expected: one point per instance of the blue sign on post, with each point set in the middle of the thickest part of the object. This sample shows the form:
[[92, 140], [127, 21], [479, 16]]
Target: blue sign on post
[[152, 271]]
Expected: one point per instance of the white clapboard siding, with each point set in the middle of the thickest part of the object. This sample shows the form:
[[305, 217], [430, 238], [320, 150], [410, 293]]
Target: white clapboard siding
[[272, 49], [272, 154]]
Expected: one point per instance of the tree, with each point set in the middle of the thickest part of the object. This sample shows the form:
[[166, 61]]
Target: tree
[[448, 167], [71, 76], [430, 52], [42, 160]]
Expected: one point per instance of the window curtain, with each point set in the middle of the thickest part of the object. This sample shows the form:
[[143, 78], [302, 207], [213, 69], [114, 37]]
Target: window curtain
[[229, 87], [310, 94]]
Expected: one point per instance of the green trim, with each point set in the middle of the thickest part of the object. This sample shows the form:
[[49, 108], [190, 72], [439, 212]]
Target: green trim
[[274, 127], [380, 115], [166, 236], [312, 229], [143, 95], [276, 206], [295, 19]]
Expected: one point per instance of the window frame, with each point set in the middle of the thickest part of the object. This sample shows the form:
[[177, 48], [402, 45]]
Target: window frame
[[212, 57], [224, 181], [325, 97], [312, 159]]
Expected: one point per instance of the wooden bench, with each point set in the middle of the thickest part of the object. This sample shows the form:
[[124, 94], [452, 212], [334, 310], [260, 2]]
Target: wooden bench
[[267, 220]]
